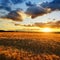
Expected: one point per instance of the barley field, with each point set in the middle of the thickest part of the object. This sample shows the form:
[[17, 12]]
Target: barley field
[[29, 46]]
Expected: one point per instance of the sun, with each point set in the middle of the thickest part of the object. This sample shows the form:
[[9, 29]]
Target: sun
[[46, 30]]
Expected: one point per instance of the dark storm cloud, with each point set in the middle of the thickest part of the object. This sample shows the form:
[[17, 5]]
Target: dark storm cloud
[[35, 10]]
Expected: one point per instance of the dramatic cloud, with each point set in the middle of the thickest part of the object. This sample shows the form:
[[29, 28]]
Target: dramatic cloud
[[6, 6], [35, 10], [16, 15]]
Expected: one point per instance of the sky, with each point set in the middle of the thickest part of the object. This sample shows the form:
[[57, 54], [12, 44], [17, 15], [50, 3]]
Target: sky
[[17, 14]]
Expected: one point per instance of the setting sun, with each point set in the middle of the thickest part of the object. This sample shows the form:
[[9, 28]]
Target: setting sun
[[46, 30]]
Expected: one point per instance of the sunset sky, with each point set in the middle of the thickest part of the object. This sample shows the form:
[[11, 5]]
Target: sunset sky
[[29, 15]]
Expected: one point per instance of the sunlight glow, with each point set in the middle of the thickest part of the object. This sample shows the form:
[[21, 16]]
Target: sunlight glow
[[46, 30]]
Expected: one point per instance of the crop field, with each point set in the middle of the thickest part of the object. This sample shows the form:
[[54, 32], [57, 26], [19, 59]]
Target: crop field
[[29, 46]]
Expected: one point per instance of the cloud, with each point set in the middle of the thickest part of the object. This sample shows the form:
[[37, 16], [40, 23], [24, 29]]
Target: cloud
[[49, 24], [35, 10], [5, 8], [55, 24], [55, 4], [58, 22], [30, 4], [16, 15], [18, 1], [7, 5]]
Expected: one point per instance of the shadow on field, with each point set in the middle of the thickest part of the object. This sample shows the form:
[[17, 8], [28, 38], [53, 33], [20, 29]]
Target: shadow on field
[[34, 46]]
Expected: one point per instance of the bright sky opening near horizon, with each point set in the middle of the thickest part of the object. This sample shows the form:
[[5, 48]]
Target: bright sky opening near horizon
[[21, 15]]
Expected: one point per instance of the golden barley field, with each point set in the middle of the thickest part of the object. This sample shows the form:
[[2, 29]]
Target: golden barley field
[[29, 46]]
